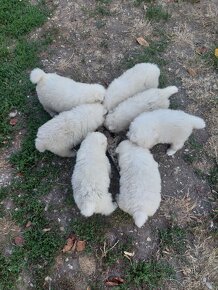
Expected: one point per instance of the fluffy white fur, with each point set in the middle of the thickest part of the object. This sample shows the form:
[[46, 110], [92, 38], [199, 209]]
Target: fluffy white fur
[[152, 99], [63, 132], [140, 77], [140, 182], [58, 94], [91, 177], [164, 126]]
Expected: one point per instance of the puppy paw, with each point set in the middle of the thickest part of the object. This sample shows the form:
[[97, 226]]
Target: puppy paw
[[171, 152]]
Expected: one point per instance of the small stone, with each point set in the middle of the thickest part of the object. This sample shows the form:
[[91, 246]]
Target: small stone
[[47, 279], [13, 114], [148, 239], [70, 267]]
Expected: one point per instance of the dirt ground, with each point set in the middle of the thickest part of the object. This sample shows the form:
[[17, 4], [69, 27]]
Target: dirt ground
[[92, 46]]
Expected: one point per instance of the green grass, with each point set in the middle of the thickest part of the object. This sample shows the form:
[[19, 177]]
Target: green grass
[[139, 2], [195, 151], [194, 144], [104, 1], [36, 181], [20, 17], [17, 54], [213, 177], [92, 230], [210, 57], [10, 268], [117, 253], [173, 238], [156, 13], [147, 275], [102, 11]]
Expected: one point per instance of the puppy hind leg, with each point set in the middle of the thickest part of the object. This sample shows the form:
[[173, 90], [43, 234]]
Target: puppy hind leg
[[173, 148], [50, 112], [140, 218], [110, 208], [67, 153], [88, 209]]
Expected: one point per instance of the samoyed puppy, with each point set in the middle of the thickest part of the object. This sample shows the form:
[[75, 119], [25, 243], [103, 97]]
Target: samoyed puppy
[[137, 79], [91, 177], [152, 99], [58, 94], [140, 182], [66, 130], [163, 126]]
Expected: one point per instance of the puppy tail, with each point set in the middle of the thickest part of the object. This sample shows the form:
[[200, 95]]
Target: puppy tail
[[169, 91], [40, 146], [37, 75], [140, 218], [198, 123]]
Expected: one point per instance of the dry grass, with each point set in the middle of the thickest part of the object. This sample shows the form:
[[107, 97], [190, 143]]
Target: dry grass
[[207, 14], [179, 210], [65, 63], [144, 26], [183, 36], [202, 262], [199, 264], [8, 231]]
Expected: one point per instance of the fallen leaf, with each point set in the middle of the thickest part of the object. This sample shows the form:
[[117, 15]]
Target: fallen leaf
[[201, 50], [28, 224], [114, 281], [129, 254], [192, 72], [19, 241], [145, 7], [80, 246], [46, 230], [71, 244], [142, 41], [13, 121], [216, 52]]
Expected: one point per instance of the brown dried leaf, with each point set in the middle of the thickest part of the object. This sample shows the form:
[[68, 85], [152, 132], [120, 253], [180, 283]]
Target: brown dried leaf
[[19, 241], [71, 244], [192, 72], [80, 246], [142, 41], [28, 224], [13, 121], [114, 281], [201, 50]]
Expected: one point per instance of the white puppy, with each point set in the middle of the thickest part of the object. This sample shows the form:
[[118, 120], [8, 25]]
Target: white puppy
[[58, 94], [91, 177], [140, 77], [121, 117], [163, 126], [140, 182], [63, 132]]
